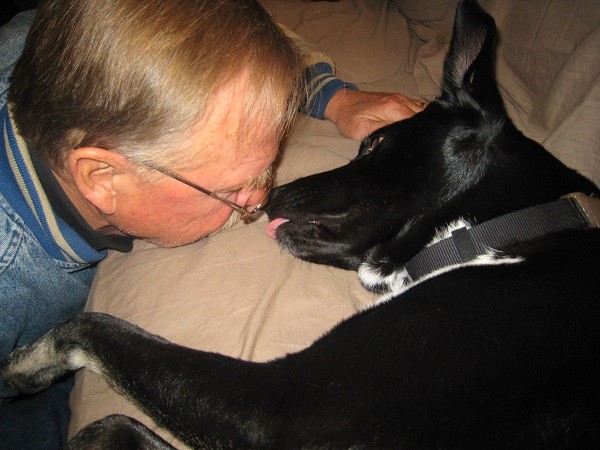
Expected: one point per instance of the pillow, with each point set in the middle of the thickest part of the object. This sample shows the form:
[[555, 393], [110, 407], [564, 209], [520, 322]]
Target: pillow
[[431, 12], [547, 66]]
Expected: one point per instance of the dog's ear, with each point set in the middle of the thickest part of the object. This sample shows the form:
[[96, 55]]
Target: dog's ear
[[469, 64]]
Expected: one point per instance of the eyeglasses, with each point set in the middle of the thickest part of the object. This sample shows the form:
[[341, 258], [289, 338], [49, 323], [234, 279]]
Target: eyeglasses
[[256, 194]]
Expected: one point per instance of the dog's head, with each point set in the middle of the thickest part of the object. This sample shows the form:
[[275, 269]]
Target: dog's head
[[461, 158]]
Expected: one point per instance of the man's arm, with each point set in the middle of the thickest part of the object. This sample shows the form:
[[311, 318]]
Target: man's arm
[[355, 113]]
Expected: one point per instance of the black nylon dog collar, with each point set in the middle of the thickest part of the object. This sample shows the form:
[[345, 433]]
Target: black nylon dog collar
[[571, 212]]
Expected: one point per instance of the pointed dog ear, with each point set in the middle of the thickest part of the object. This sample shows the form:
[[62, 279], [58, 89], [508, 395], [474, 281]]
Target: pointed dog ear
[[469, 64]]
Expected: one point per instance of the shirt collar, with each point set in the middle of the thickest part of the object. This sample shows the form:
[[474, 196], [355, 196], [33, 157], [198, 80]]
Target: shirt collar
[[67, 211], [33, 191]]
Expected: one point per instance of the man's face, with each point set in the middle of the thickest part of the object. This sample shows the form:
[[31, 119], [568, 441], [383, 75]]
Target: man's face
[[169, 213]]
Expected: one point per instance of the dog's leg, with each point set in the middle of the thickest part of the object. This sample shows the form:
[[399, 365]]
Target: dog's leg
[[160, 377], [34, 368], [72, 345], [118, 432]]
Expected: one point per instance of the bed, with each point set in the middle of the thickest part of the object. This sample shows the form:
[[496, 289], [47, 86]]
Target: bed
[[239, 294]]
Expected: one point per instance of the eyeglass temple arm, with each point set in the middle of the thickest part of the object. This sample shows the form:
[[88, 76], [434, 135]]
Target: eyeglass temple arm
[[170, 174]]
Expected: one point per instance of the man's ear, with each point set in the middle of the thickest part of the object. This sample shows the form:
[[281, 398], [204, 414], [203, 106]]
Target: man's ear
[[93, 170]]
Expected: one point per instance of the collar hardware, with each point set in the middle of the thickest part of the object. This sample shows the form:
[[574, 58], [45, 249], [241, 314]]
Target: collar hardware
[[588, 206]]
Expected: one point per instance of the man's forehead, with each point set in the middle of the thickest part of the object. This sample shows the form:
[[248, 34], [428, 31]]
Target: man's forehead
[[236, 144], [227, 127], [224, 138]]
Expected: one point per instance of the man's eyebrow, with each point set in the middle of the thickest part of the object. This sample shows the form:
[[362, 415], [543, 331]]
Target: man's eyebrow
[[255, 182]]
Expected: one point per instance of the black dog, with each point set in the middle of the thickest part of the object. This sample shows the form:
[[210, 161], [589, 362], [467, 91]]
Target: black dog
[[495, 341]]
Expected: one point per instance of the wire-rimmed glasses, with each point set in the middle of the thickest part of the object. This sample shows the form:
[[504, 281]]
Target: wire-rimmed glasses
[[255, 195]]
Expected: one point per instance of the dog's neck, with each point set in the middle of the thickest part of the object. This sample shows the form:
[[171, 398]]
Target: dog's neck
[[461, 244], [465, 244]]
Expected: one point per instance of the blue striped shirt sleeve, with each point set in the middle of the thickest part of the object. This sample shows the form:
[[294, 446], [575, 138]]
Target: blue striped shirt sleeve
[[320, 85]]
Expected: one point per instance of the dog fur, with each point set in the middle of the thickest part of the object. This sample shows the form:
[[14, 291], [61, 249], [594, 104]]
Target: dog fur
[[503, 352]]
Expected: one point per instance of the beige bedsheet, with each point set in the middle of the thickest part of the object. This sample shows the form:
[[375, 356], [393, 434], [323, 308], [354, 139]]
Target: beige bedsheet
[[237, 292]]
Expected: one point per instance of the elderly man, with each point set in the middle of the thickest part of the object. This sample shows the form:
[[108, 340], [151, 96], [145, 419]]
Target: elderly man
[[154, 120]]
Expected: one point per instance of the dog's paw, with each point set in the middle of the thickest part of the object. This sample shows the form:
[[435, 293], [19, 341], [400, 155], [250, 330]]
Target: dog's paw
[[35, 367], [382, 276], [32, 368]]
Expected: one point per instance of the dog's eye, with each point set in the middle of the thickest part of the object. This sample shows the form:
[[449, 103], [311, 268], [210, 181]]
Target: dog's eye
[[374, 144]]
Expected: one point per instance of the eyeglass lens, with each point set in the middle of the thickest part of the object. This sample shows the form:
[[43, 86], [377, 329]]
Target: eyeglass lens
[[256, 197]]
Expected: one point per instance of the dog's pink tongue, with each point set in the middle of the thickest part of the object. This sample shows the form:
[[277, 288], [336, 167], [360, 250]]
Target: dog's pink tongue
[[271, 227]]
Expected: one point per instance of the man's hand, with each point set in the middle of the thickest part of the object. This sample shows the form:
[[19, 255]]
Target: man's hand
[[357, 114]]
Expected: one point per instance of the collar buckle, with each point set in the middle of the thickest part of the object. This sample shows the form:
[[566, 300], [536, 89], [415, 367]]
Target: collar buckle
[[588, 206]]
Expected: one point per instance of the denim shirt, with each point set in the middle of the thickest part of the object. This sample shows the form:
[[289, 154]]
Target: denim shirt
[[37, 291], [40, 284]]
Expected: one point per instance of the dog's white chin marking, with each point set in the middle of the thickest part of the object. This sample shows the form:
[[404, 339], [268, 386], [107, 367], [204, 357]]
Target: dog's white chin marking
[[400, 281]]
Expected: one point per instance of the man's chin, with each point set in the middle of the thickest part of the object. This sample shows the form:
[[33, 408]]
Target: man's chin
[[233, 219], [230, 223]]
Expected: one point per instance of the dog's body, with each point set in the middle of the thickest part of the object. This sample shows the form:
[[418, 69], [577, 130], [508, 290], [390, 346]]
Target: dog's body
[[499, 350]]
